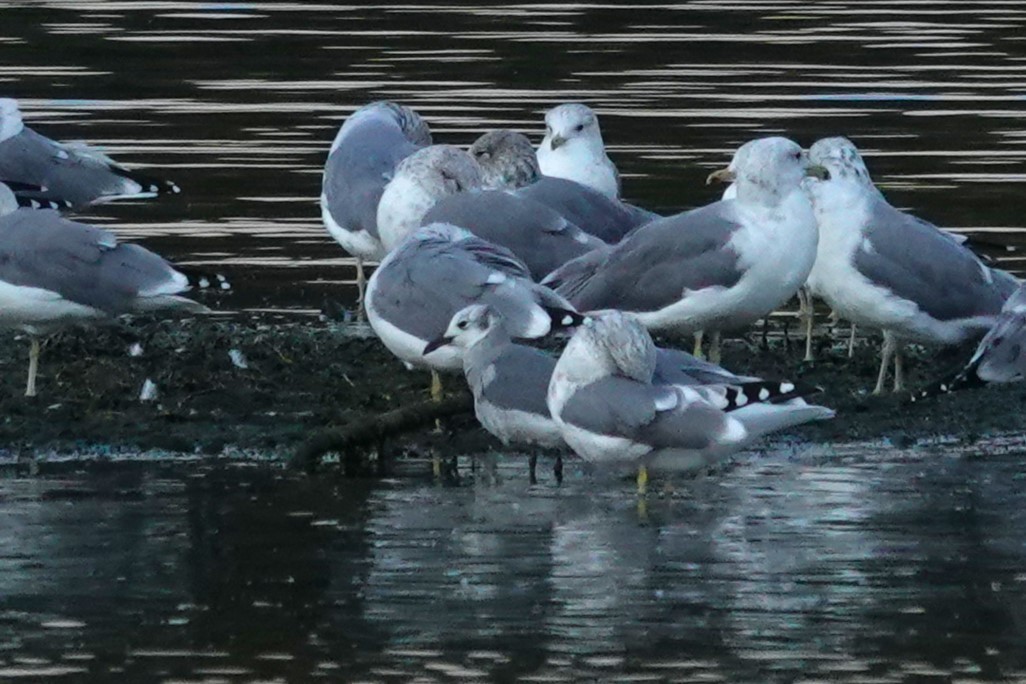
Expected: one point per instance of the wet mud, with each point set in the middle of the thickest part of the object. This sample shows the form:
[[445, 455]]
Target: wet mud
[[260, 386]]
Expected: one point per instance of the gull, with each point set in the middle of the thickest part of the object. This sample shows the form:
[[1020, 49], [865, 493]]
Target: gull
[[508, 162], [440, 269], [74, 172], [443, 184], [362, 160], [880, 267], [55, 272], [719, 267], [509, 381], [609, 410], [573, 149]]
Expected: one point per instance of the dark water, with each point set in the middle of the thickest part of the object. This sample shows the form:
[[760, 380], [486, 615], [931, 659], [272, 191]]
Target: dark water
[[857, 563], [239, 102]]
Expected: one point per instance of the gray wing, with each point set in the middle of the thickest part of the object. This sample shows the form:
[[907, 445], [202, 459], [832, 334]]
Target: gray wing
[[917, 262], [82, 263], [675, 367], [357, 172], [521, 380], [596, 213], [543, 239], [619, 407], [69, 172], [654, 265]]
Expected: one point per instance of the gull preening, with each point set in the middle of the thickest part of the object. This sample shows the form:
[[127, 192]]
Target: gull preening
[[72, 172], [55, 272], [573, 149], [882, 268]]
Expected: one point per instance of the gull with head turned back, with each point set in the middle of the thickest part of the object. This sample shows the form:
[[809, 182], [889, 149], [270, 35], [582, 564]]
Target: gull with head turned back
[[72, 172], [361, 162], [880, 267], [443, 184], [55, 272], [573, 149], [720, 267]]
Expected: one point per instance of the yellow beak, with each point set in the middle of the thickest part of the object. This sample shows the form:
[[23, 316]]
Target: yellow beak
[[721, 176]]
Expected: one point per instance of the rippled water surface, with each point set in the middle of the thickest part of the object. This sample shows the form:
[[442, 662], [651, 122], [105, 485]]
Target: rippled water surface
[[857, 564]]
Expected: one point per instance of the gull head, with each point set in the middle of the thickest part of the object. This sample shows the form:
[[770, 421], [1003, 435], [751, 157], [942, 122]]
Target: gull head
[[842, 159], [611, 343], [572, 124], [10, 118], [767, 170], [406, 119], [468, 326], [8, 202], [420, 181], [506, 158]]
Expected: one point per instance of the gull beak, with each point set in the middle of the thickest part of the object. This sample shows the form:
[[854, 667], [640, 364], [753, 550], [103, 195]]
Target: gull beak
[[721, 176], [557, 141], [817, 171], [436, 343]]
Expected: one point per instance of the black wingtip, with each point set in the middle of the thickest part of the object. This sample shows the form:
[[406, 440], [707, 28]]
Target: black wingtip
[[28, 202], [148, 183], [563, 319], [766, 392], [965, 379], [205, 280]]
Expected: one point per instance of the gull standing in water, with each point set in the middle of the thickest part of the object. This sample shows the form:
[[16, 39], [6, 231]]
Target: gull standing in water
[[508, 162], [573, 149], [443, 184], [362, 160], [720, 267], [55, 272], [603, 399], [880, 267], [73, 172]]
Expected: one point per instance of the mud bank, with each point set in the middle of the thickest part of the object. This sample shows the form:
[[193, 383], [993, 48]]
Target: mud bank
[[259, 386]]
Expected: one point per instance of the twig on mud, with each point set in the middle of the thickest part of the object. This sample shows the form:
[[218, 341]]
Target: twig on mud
[[367, 433]]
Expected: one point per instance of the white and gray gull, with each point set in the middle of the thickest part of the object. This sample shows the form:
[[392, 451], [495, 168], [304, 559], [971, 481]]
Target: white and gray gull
[[73, 172], [508, 162], [880, 267], [573, 149], [362, 160], [443, 184], [55, 272], [610, 410], [720, 267]]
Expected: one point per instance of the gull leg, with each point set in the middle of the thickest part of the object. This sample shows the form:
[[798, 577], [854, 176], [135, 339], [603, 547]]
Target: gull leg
[[436, 395], [436, 386], [361, 288], [642, 480], [698, 344], [30, 387], [714, 347], [557, 469], [886, 352], [807, 311], [532, 464], [851, 342], [899, 368]]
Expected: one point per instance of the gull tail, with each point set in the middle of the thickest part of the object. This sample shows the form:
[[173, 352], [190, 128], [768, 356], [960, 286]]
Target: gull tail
[[569, 279], [203, 280], [149, 186]]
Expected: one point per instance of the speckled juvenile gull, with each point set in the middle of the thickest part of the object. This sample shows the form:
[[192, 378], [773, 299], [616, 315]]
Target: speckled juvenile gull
[[508, 162], [573, 149], [442, 184], [719, 267], [880, 267], [602, 398], [55, 272], [73, 172], [440, 269], [362, 160], [509, 381]]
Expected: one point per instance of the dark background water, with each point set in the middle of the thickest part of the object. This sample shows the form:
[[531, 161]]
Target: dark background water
[[855, 563]]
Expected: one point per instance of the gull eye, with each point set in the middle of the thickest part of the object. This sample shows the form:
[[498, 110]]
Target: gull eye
[[462, 325], [797, 155], [580, 127]]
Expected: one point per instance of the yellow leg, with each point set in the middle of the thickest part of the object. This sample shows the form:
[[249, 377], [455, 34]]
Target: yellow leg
[[436, 466], [642, 480], [436, 386], [698, 344], [30, 387], [714, 347]]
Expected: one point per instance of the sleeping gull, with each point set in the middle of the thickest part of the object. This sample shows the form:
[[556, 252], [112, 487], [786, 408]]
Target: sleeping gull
[[440, 269], [55, 272], [509, 381], [722, 266], [573, 149], [74, 172], [508, 162], [880, 267], [603, 399], [442, 184], [363, 157]]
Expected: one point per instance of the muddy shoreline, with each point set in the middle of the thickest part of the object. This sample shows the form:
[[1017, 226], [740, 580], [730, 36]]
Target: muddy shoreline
[[258, 386]]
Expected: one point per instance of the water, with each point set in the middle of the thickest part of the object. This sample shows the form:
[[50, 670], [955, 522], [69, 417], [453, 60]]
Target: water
[[239, 102], [858, 563]]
